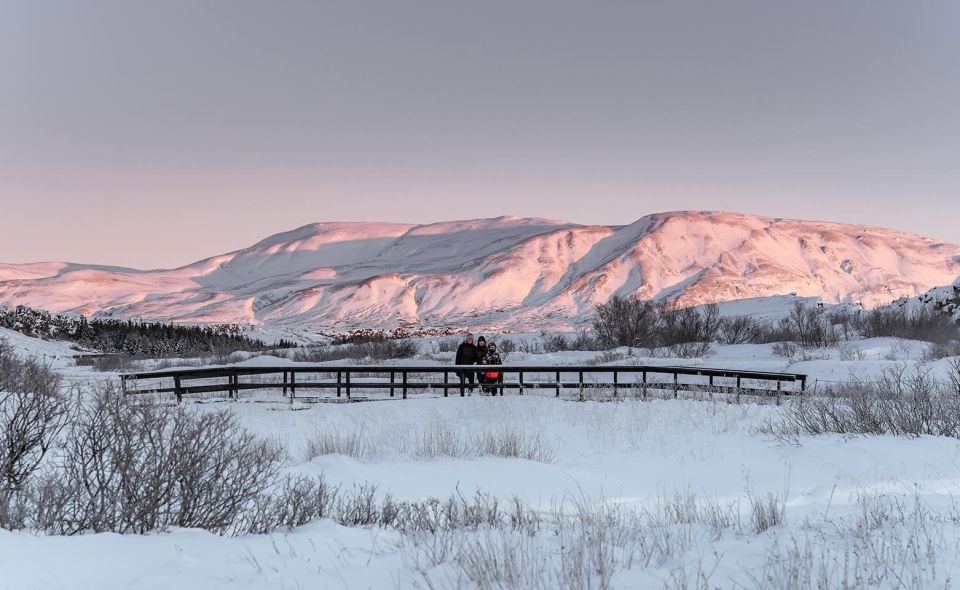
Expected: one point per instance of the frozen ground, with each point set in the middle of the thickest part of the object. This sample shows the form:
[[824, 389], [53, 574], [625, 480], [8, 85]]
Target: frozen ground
[[672, 487]]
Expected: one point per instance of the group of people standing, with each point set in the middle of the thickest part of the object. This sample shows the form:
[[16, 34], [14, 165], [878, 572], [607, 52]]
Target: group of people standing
[[480, 353]]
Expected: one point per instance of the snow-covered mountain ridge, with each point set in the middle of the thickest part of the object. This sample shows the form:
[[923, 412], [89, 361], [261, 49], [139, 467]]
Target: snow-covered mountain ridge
[[508, 272]]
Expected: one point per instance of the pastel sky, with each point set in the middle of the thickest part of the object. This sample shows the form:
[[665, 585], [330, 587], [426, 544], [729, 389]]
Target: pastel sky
[[152, 134]]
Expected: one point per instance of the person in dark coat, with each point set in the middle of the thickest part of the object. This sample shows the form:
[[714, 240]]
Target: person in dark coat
[[481, 353], [466, 355], [492, 379]]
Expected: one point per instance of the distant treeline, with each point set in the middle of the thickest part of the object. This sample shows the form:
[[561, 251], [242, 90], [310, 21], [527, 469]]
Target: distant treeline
[[153, 339]]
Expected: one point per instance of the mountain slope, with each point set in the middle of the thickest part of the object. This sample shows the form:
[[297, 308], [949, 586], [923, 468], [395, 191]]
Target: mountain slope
[[505, 272]]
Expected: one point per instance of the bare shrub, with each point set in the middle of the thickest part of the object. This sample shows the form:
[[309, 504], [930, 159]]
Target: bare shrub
[[953, 376], [690, 350], [811, 326], [785, 349], [529, 346], [912, 324], [625, 322], [507, 346], [33, 412], [135, 468], [739, 330], [896, 403], [940, 350], [358, 508], [377, 350], [448, 344], [636, 323], [688, 325], [299, 500], [560, 343]]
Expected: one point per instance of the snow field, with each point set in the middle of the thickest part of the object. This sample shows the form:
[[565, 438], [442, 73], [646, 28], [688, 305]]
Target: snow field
[[687, 493]]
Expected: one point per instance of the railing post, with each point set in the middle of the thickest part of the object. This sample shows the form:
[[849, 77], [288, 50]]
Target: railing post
[[521, 383], [393, 378], [803, 384], [446, 382], [404, 384], [616, 381], [293, 385], [347, 377], [778, 392], [676, 384], [558, 383], [644, 388], [339, 381], [177, 390]]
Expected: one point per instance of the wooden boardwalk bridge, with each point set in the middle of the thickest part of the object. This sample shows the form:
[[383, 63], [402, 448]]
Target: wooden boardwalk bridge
[[304, 381]]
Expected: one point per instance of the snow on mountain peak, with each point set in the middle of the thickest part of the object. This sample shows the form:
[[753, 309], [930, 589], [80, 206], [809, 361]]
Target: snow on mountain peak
[[512, 272]]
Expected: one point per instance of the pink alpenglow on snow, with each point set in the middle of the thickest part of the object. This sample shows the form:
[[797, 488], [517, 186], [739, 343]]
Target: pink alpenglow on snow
[[506, 272]]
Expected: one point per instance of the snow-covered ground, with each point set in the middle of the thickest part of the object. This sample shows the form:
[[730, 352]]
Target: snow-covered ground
[[866, 512]]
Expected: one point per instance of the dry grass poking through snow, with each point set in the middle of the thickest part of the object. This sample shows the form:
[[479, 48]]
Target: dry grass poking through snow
[[436, 440], [884, 543]]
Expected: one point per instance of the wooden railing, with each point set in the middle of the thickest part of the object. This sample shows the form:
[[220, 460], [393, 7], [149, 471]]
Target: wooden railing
[[348, 379]]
